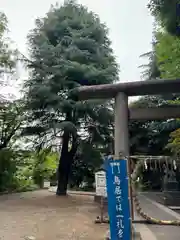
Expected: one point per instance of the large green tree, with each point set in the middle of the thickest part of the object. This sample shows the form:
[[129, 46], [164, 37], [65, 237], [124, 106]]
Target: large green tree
[[69, 47]]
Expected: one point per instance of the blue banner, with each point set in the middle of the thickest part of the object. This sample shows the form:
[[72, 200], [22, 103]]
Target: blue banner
[[118, 199]]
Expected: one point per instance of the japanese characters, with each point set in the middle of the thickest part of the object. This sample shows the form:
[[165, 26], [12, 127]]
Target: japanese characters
[[119, 210]]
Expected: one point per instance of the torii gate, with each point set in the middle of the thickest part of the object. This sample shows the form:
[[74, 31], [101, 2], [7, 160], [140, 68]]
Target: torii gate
[[121, 92]]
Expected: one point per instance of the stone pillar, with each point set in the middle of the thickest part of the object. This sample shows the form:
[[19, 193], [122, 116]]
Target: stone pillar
[[121, 135]]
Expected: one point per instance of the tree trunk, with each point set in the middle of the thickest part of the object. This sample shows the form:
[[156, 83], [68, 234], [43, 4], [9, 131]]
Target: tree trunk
[[65, 164], [63, 174]]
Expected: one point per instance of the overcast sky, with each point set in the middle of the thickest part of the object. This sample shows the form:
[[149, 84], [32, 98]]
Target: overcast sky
[[129, 23]]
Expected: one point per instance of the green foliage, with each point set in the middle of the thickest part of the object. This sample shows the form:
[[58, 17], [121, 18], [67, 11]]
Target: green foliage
[[167, 51], [25, 170], [5, 52], [11, 121], [8, 56], [149, 101], [87, 160], [3, 23], [150, 70], [138, 134], [22, 182], [167, 13], [44, 165], [14, 174], [151, 137], [7, 169], [174, 142], [165, 55], [69, 47]]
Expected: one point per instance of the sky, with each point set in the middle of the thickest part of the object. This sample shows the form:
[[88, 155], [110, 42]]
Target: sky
[[129, 22]]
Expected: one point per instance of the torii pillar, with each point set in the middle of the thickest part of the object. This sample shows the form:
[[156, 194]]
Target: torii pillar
[[121, 135]]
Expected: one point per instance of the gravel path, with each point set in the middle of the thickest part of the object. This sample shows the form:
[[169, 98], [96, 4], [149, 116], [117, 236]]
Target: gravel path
[[43, 216]]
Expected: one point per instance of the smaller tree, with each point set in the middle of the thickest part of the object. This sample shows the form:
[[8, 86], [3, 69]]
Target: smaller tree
[[45, 163], [11, 120], [174, 142], [151, 69], [7, 169], [8, 56], [6, 59]]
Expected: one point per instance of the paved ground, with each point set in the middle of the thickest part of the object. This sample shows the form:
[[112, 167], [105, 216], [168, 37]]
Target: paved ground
[[155, 196], [44, 216], [156, 211], [154, 232]]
